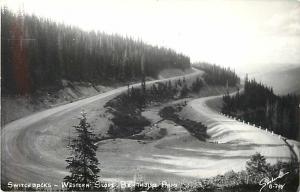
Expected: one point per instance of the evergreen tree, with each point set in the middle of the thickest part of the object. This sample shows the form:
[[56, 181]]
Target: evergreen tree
[[197, 85], [184, 91], [257, 167], [259, 105], [216, 75], [83, 163], [54, 52]]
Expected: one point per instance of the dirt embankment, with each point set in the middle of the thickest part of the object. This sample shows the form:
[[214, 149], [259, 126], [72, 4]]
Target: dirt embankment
[[167, 73], [15, 107]]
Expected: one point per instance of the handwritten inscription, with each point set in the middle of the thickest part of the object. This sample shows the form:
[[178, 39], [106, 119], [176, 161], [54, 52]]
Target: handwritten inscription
[[271, 184]]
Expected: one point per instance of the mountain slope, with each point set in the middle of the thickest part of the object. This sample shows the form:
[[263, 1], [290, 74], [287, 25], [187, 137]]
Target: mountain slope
[[33, 147], [56, 52], [283, 81]]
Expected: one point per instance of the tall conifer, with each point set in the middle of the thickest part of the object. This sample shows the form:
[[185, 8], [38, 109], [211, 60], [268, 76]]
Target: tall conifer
[[83, 163]]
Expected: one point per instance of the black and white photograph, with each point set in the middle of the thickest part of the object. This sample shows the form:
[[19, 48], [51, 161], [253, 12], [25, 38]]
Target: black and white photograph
[[150, 95]]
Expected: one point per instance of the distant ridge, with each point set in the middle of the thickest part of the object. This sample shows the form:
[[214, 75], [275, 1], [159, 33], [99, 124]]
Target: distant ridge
[[286, 81]]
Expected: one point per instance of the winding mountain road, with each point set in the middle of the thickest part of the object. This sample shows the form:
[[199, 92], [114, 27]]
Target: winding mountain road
[[227, 130], [33, 148]]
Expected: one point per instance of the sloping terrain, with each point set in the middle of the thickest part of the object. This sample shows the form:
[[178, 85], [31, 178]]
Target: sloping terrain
[[167, 73], [231, 132], [15, 107], [283, 82], [34, 147]]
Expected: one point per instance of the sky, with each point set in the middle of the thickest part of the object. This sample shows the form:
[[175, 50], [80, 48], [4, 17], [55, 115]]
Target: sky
[[247, 35]]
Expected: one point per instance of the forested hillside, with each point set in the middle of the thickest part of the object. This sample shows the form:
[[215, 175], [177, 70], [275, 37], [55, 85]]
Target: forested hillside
[[258, 104], [38, 53], [216, 75]]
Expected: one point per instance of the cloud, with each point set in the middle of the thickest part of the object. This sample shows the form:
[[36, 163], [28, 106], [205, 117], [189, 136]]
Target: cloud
[[287, 23]]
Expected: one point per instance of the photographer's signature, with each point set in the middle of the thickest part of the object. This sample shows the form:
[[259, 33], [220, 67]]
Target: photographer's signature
[[270, 183]]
